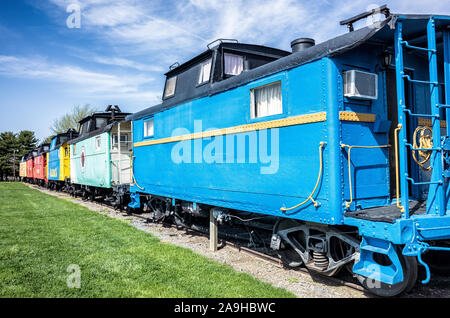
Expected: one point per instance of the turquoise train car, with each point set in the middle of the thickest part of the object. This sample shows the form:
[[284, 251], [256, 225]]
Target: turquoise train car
[[327, 151], [100, 157]]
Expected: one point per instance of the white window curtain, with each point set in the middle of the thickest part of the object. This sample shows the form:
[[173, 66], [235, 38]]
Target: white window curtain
[[148, 128], [267, 101], [170, 86], [234, 64], [205, 72]]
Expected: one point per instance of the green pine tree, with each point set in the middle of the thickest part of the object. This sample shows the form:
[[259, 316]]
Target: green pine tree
[[12, 148], [27, 141], [8, 149]]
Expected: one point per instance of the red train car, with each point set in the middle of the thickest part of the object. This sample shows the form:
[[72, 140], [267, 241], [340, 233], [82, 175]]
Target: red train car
[[40, 165], [30, 167]]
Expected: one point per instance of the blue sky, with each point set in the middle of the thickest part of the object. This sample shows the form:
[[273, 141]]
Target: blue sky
[[123, 47]]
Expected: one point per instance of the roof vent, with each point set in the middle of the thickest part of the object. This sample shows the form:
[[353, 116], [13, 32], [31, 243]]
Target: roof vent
[[302, 44], [220, 41]]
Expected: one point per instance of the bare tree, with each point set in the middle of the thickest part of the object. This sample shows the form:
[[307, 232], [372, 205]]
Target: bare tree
[[70, 120]]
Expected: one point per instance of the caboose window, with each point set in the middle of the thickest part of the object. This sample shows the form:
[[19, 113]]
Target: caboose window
[[234, 64], [170, 87], [100, 122], [63, 139], [85, 128], [98, 143], [123, 140], [205, 72], [266, 100], [148, 128]]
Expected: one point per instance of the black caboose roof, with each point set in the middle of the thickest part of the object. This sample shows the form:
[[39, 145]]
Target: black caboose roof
[[64, 137], [254, 49], [111, 117], [42, 149]]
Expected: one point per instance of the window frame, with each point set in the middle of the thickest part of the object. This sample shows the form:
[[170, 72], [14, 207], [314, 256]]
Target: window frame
[[85, 128], [116, 136], [174, 89], [252, 100], [97, 146], [145, 128]]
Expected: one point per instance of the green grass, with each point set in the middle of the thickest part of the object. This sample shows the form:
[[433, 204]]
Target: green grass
[[40, 236]]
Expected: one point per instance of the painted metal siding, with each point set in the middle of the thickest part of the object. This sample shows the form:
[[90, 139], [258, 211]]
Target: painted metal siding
[[64, 156], [40, 168], [23, 169], [91, 165], [243, 185], [54, 165], [30, 169]]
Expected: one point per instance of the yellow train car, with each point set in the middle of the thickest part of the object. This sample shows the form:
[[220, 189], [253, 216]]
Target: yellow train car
[[64, 162], [46, 170], [23, 168]]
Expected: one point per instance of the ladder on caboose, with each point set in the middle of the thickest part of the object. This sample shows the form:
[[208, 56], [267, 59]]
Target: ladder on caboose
[[437, 201]]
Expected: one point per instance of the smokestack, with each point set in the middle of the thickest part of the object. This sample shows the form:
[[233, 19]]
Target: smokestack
[[302, 44]]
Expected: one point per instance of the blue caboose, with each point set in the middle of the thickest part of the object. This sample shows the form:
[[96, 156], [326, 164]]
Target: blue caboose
[[339, 151], [58, 162]]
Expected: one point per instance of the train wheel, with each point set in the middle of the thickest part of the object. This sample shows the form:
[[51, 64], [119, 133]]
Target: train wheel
[[289, 257], [410, 270]]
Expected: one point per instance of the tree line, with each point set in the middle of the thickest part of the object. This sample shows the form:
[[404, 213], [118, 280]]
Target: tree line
[[13, 146]]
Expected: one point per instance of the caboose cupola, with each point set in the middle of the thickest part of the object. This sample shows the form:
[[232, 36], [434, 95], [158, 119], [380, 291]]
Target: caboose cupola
[[99, 122], [222, 60]]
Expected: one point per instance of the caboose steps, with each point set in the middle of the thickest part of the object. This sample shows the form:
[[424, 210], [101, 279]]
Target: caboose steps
[[389, 213]]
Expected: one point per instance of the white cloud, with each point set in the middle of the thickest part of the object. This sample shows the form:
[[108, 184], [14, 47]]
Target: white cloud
[[147, 36], [79, 79], [187, 25], [127, 63], [112, 14]]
